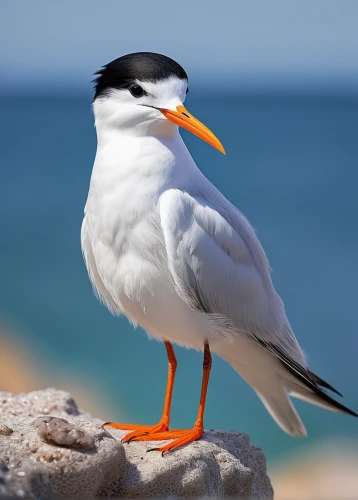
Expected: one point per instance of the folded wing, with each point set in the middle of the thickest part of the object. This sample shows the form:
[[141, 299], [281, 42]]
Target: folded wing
[[219, 267]]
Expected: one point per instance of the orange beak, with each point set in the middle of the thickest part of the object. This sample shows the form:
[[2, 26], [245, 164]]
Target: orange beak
[[184, 119]]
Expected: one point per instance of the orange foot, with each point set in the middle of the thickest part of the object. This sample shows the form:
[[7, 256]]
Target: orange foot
[[138, 431], [180, 438]]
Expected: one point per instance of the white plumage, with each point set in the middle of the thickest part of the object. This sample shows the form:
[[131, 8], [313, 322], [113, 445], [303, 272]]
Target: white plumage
[[164, 247]]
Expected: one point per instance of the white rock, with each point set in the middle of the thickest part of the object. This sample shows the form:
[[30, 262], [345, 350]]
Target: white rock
[[95, 463], [221, 464]]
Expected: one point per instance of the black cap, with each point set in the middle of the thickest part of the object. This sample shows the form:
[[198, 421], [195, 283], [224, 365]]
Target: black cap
[[142, 66]]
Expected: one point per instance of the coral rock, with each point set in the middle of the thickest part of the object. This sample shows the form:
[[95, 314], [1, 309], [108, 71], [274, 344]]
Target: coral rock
[[65, 453]]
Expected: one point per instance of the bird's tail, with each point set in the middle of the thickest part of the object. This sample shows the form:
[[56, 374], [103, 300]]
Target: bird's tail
[[276, 398], [275, 380], [261, 370], [277, 402], [317, 396]]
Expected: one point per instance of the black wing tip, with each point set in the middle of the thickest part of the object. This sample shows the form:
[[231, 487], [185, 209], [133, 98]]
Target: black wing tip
[[351, 412], [309, 379], [338, 406], [322, 383], [335, 391], [316, 387]]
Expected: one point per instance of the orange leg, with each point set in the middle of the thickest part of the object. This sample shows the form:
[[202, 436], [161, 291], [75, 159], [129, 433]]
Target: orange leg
[[182, 437], [163, 425]]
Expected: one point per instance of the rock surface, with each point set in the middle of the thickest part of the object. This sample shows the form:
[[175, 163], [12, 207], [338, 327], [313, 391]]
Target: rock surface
[[59, 431], [72, 457]]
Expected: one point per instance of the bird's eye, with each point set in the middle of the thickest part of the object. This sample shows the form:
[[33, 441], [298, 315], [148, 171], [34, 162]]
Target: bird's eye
[[136, 90]]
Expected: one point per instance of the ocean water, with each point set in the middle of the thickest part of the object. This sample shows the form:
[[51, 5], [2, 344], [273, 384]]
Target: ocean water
[[291, 167]]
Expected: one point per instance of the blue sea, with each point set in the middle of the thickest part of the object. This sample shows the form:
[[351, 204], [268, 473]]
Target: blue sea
[[291, 167]]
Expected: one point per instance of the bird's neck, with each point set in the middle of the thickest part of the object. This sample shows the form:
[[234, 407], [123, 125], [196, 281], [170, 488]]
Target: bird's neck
[[160, 150], [153, 162]]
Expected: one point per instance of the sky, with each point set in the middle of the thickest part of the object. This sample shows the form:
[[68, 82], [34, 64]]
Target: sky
[[224, 43]]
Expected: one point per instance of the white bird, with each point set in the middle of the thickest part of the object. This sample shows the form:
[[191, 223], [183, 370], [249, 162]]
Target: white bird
[[164, 247]]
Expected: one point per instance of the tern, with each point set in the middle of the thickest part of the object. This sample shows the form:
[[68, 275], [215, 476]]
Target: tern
[[164, 247]]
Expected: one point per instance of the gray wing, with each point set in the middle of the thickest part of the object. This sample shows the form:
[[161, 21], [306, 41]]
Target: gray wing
[[219, 267]]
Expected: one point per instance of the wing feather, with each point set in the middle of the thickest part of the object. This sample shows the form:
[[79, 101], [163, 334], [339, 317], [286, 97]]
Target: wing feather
[[219, 267]]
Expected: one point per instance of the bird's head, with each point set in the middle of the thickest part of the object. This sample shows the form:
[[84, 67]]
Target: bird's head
[[144, 93]]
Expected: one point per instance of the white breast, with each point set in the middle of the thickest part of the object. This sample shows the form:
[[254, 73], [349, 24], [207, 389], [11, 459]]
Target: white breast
[[123, 243]]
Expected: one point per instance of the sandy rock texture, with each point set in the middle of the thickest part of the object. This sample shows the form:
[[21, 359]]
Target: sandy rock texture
[[49, 449]]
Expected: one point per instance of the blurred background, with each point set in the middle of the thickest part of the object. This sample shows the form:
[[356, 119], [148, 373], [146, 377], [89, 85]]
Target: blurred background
[[277, 82]]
